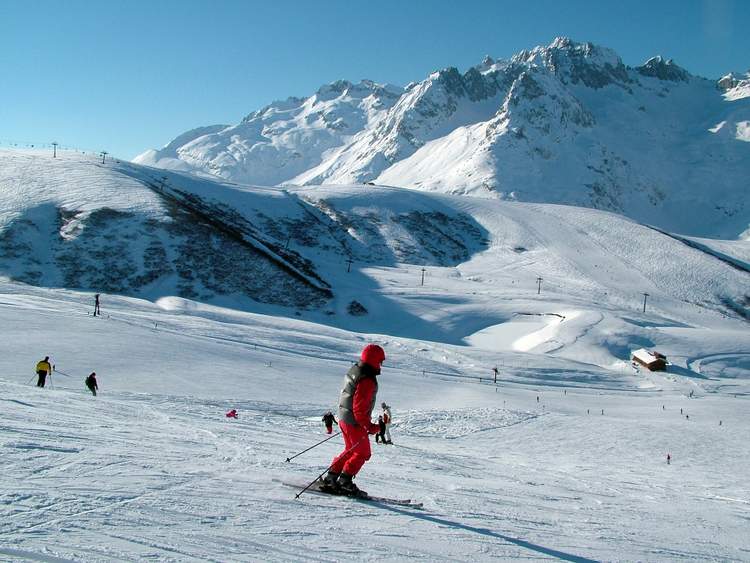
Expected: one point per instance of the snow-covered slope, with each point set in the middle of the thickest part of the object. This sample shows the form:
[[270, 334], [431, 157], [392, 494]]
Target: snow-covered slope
[[565, 123], [73, 222], [563, 458], [122, 228]]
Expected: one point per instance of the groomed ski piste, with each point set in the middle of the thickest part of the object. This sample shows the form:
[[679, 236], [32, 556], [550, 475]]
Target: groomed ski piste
[[564, 458]]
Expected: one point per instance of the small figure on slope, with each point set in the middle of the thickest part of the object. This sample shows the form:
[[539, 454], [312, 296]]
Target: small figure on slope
[[387, 420], [96, 306], [356, 402], [232, 414], [43, 369], [92, 384], [380, 436], [329, 420]]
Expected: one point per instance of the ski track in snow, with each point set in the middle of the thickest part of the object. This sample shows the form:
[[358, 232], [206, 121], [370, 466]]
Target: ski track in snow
[[168, 477], [152, 469]]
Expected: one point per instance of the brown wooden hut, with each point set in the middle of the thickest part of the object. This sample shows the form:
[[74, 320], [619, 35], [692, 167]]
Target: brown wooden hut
[[650, 359]]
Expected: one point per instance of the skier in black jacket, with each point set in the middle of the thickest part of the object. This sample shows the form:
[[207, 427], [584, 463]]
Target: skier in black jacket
[[380, 436], [329, 420], [91, 383]]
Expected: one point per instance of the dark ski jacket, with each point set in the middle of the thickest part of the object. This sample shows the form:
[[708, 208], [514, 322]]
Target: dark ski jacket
[[329, 419], [91, 382]]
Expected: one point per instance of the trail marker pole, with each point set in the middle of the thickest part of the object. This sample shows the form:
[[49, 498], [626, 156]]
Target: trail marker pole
[[54, 149], [423, 271], [349, 265], [645, 296], [538, 286]]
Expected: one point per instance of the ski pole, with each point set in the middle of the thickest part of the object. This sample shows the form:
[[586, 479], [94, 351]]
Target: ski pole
[[32, 378], [311, 483], [313, 446]]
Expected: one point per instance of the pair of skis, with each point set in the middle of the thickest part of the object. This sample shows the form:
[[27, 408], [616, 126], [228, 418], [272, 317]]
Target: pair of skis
[[316, 489]]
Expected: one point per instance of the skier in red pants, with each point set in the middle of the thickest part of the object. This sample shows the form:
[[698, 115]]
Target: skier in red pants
[[355, 420]]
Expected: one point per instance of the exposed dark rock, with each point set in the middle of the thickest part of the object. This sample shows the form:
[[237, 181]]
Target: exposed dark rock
[[662, 69], [356, 309]]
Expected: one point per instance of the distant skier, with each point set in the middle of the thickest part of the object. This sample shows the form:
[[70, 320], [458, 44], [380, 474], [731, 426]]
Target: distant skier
[[43, 369], [380, 436], [356, 402], [329, 420], [96, 305], [387, 420], [232, 414], [92, 384], [669, 459]]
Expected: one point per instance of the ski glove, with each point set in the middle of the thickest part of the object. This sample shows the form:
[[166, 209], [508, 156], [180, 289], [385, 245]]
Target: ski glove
[[373, 429]]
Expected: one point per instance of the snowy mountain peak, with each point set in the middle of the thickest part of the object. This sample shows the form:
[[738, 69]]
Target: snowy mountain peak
[[363, 89], [563, 123], [473, 84], [274, 107], [735, 87], [490, 65], [575, 63], [663, 69]]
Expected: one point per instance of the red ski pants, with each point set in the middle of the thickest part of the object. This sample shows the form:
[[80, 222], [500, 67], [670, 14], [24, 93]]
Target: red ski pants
[[356, 450]]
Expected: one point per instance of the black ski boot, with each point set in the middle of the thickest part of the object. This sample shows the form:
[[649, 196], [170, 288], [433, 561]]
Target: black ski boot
[[347, 487], [329, 483]]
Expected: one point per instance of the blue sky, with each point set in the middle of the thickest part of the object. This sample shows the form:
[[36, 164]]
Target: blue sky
[[125, 76]]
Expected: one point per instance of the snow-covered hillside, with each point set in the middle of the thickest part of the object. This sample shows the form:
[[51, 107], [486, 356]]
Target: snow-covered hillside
[[74, 222], [565, 123], [217, 296], [562, 460]]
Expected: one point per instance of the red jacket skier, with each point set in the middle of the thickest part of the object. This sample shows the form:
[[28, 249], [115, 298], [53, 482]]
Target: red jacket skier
[[356, 402]]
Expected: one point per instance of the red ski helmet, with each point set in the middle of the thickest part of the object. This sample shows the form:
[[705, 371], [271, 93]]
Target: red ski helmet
[[373, 355]]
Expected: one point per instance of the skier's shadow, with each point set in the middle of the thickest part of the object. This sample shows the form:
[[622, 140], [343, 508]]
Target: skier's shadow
[[485, 532]]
